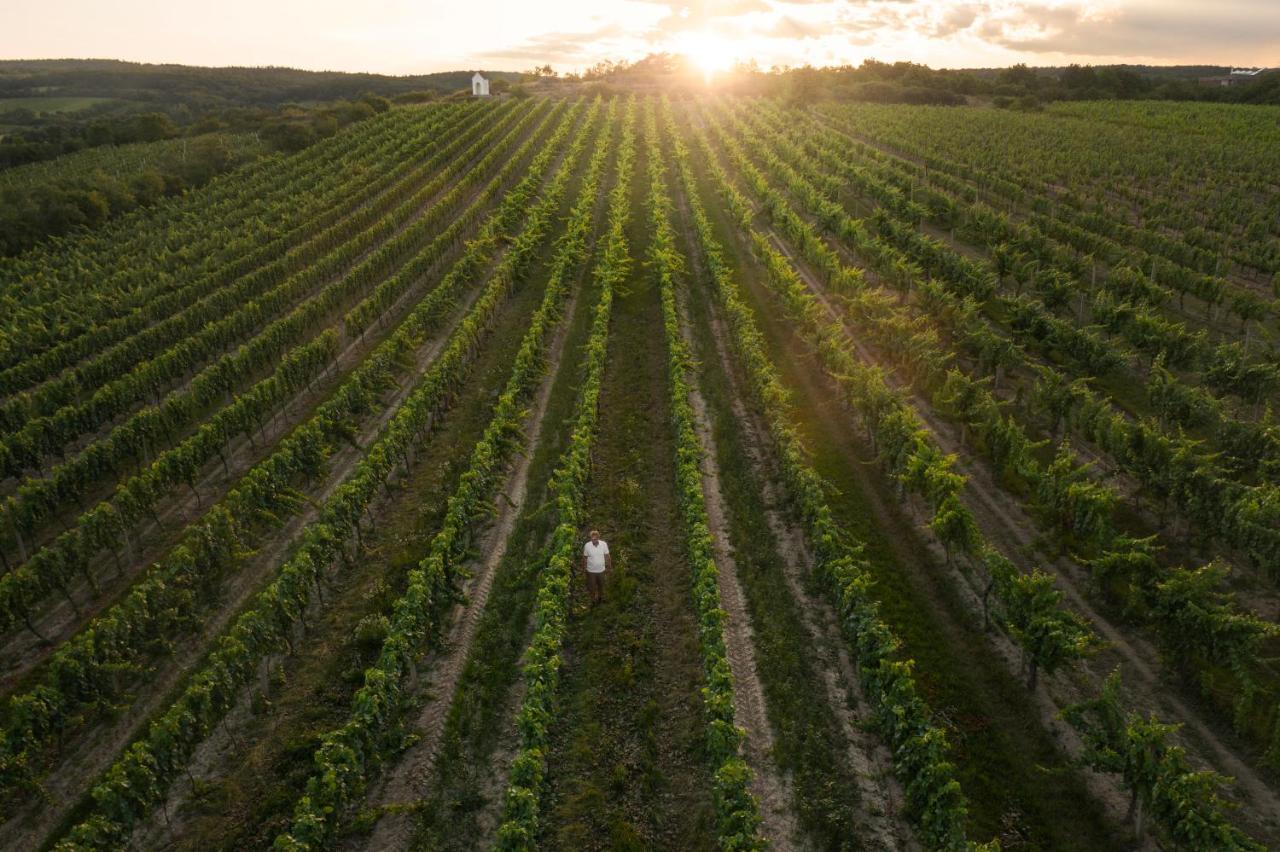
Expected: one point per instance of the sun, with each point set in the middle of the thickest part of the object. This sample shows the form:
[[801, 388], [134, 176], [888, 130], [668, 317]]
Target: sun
[[711, 53]]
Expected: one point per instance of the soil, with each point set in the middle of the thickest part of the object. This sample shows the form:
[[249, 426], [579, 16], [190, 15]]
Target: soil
[[212, 756], [1009, 525], [60, 620], [100, 746], [878, 791], [771, 786], [405, 783], [957, 676], [626, 763], [1012, 527]]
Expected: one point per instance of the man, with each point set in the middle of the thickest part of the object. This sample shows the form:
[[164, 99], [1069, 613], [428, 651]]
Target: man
[[595, 559]]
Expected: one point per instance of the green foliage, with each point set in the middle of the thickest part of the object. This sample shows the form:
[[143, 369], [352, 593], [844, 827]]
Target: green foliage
[[738, 813], [372, 729], [79, 675], [1071, 499], [522, 802], [267, 624], [1050, 636], [935, 802], [1162, 784], [87, 191]]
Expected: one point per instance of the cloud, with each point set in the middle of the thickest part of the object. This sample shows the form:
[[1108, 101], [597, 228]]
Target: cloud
[[951, 33], [955, 19], [708, 14], [705, 10], [1175, 30], [789, 27], [870, 19], [561, 47]]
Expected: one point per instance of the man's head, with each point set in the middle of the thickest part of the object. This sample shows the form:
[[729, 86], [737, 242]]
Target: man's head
[[595, 536]]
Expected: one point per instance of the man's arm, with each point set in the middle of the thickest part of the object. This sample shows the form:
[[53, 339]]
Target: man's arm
[[608, 561]]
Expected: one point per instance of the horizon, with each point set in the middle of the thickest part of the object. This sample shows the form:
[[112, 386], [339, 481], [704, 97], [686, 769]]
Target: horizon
[[474, 68], [395, 38]]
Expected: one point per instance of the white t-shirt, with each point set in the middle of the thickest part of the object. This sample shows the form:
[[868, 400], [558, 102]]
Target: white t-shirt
[[595, 555]]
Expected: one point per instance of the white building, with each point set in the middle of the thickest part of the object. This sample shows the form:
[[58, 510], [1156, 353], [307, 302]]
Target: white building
[[479, 86]]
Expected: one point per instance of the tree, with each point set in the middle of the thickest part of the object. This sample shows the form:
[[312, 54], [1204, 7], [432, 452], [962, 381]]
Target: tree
[[377, 102], [1020, 75], [1049, 636], [1079, 77], [955, 527], [288, 136], [804, 86], [1159, 779], [150, 127], [1196, 616]]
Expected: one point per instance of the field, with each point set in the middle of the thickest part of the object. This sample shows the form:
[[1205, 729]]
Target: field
[[122, 162], [935, 449], [53, 104]]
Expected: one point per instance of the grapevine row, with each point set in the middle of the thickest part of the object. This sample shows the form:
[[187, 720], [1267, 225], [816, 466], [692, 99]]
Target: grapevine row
[[347, 754], [522, 802], [135, 499], [1196, 618], [222, 225], [334, 215], [1138, 446], [902, 716], [80, 673], [141, 776], [144, 364], [1051, 637], [737, 812]]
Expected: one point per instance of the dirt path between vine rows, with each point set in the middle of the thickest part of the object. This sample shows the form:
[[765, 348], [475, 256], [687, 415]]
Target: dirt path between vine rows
[[200, 263], [23, 652], [771, 787], [1262, 596], [72, 778], [1016, 212], [871, 760], [878, 791], [405, 783], [168, 820], [1200, 315], [104, 488], [1011, 527]]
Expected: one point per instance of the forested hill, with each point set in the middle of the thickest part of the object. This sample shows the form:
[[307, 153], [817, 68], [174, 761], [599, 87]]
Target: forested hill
[[207, 87]]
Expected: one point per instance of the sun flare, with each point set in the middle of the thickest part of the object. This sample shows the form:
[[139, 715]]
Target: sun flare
[[708, 52]]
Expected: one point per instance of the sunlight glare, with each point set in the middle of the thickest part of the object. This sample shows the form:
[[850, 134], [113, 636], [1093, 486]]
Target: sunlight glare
[[709, 52]]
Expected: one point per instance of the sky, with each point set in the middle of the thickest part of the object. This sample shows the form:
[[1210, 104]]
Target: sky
[[421, 36]]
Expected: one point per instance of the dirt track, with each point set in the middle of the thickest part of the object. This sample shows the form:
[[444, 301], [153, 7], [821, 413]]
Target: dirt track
[[103, 743], [1006, 521], [404, 784]]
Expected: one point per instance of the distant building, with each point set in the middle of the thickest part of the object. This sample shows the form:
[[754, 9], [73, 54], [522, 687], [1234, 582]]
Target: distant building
[[1237, 77], [479, 86]]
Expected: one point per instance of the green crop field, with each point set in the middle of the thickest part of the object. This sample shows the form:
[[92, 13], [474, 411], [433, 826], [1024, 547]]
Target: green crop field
[[122, 161], [54, 104], [935, 447]]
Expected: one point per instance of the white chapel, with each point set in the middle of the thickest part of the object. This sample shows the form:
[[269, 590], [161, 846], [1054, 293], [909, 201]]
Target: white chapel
[[479, 86]]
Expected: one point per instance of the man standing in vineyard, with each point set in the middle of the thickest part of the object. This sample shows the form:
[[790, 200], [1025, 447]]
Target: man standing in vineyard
[[595, 559]]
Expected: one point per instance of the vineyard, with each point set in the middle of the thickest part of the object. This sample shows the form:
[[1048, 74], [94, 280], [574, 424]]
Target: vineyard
[[935, 447]]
